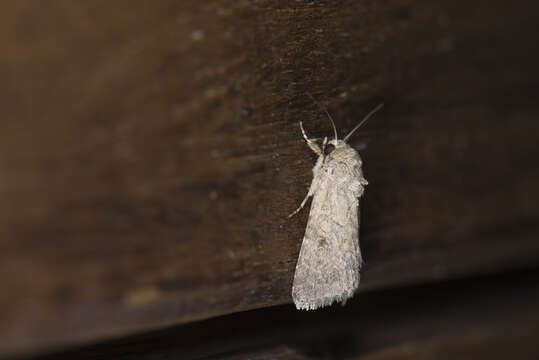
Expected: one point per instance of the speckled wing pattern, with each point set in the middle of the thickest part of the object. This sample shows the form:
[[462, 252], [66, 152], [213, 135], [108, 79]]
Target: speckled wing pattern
[[330, 258]]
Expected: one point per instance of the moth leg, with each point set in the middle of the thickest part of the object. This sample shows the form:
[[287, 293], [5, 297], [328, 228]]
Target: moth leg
[[314, 146], [312, 189], [301, 205]]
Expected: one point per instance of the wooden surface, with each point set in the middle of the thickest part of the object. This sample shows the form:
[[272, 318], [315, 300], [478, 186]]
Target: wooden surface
[[485, 318], [150, 152]]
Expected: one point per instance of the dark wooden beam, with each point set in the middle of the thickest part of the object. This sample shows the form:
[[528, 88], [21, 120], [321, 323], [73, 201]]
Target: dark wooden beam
[[490, 317], [150, 152]]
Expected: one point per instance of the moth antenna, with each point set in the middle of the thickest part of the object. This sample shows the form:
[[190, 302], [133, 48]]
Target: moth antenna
[[363, 121], [327, 113]]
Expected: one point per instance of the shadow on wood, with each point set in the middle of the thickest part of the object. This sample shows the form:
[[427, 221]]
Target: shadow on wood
[[480, 318]]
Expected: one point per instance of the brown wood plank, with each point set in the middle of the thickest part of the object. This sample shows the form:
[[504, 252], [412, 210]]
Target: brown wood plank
[[494, 317], [149, 151]]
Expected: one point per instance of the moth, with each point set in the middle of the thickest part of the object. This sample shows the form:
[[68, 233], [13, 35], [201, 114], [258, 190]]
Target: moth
[[329, 263]]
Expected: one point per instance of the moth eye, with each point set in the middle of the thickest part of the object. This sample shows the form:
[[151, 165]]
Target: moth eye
[[329, 149]]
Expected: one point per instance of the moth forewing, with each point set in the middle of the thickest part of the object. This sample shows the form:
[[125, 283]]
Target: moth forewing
[[328, 267], [329, 262]]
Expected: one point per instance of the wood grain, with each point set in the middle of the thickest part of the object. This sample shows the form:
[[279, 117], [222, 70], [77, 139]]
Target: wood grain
[[149, 152]]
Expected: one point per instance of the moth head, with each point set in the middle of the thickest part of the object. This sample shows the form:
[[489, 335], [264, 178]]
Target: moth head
[[333, 144]]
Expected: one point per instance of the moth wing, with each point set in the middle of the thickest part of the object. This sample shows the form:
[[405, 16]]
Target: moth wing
[[330, 258]]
